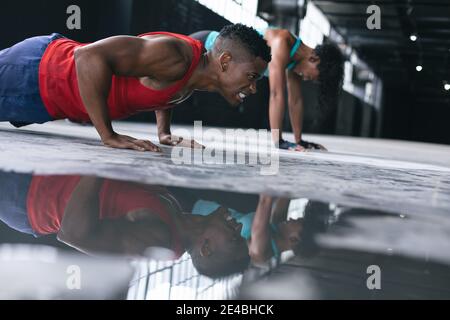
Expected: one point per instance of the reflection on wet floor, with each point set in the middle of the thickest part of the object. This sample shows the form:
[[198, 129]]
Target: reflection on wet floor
[[207, 244], [169, 280]]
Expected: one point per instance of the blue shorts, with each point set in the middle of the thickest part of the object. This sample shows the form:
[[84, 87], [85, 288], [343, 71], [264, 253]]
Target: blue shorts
[[20, 99], [13, 201]]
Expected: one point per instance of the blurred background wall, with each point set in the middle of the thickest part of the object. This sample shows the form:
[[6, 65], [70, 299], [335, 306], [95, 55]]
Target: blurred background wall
[[394, 110]]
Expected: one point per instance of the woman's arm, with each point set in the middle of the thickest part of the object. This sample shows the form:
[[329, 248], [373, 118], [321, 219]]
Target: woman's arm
[[259, 247]]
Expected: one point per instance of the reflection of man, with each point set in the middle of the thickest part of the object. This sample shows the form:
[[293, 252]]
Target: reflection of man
[[268, 232], [293, 62], [51, 77], [105, 216]]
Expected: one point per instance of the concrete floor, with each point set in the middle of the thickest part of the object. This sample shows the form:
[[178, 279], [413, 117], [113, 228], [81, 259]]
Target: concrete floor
[[335, 274], [394, 176], [389, 175]]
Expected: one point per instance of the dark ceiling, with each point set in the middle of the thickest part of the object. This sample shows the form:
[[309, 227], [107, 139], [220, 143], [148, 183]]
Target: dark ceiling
[[390, 51]]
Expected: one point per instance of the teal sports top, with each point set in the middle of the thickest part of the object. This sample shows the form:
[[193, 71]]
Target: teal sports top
[[212, 36]]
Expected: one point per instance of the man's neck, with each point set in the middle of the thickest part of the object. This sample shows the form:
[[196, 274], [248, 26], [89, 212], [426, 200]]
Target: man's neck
[[189, 226], [204, 77]]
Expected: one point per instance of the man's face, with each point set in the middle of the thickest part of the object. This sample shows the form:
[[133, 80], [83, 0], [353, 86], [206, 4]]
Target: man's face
[[238, 79], [308, 69], [224, 234]]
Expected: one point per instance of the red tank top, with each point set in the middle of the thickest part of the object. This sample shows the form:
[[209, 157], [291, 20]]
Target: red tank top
[[48, 197], [58, 84]]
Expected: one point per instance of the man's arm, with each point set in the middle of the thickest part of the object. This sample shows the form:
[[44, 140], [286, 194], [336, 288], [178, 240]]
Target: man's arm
[[96, 63], [83, 229], [81, 226], [163, 119]]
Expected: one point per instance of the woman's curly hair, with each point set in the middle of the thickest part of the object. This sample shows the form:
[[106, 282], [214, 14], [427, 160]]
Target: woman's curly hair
[[331, 74]]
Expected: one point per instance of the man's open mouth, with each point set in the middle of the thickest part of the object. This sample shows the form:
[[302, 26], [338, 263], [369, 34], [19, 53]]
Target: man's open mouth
[[241, 96], [233, 224]]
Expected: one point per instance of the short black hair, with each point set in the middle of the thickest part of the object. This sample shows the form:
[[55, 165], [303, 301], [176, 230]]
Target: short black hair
[[331, 74], [249, 38]]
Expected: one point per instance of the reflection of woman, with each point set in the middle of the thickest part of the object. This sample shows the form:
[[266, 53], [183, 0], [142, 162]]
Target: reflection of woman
[[106, 216]]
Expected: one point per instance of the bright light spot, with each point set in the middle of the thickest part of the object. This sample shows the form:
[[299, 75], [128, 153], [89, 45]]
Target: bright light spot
[[243, 11], [419, 68], [314, 27], [413, 37], [447, 86]]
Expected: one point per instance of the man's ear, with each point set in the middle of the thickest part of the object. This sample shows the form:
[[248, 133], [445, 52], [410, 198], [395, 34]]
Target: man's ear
[[220, 210], [205, 250], [225, 59]]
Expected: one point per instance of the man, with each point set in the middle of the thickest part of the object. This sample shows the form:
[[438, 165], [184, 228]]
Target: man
[[99, 216], [293, 61], [52, 77], [267, 229]]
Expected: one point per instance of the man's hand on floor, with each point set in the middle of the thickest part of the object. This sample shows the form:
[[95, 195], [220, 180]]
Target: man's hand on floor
[[126, 142], [172, 140]]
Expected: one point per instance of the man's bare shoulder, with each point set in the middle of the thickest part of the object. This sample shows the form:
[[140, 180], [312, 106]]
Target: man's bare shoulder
[[173, 45], [177, 53]]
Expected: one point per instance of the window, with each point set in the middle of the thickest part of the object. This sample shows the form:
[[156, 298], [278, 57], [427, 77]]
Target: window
[[314, 26], [237, 11]]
